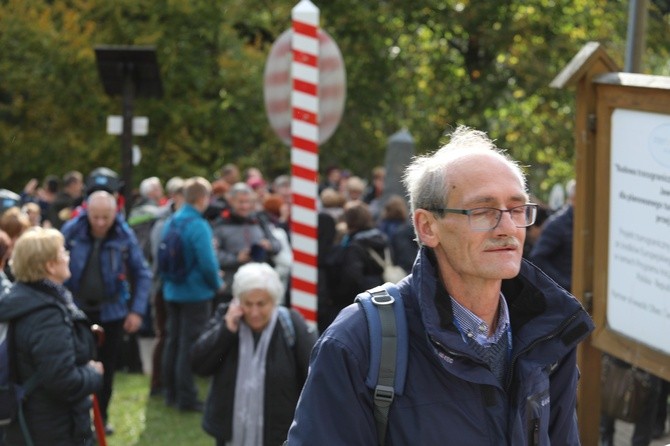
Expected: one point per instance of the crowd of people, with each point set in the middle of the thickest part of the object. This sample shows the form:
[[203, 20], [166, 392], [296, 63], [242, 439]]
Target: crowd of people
[[68, 247], [237, 242]]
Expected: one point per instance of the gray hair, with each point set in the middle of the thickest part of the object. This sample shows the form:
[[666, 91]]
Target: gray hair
[[239, 189], [175, 185], [426, 178], [281, 181], [149, 185], [257, 276]]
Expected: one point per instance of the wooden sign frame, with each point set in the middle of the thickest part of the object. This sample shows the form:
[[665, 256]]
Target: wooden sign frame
[[601, 89], [632, 92]]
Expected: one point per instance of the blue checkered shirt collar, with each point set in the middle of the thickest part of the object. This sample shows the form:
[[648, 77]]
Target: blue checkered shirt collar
[[471, 326]]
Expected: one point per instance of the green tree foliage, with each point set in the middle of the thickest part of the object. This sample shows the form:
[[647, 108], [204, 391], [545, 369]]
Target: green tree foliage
[[424, 65]]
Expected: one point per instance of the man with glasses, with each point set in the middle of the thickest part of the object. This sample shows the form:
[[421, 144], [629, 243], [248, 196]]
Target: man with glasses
[[492, 340]]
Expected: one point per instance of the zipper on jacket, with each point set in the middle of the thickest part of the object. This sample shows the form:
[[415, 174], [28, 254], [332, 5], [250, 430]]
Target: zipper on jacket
[[534, 433], [553, 334]]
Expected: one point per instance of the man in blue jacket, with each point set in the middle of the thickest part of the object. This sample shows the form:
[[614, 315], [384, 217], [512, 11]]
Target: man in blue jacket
[[110, 279], [492, 340], [189, 300]]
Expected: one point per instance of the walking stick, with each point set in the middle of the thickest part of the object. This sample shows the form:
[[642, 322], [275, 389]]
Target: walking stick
[[98, 422]]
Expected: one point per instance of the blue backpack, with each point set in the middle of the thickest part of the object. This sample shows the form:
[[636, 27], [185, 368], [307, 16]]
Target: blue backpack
[[172, 264], [12, 394], [389, 349]]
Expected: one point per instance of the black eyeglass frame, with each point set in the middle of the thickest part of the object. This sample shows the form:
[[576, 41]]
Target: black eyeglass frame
[[530, 207]]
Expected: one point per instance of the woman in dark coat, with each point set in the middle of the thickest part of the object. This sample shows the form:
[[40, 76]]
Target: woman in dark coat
[[347, 268], [258, 353], [356, 269], [52, 339]]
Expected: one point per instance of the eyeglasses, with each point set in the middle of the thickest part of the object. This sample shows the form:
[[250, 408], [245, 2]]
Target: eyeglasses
[[486, 219]]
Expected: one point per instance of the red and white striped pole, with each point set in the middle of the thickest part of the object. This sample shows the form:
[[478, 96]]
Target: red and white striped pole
[[304, 157]]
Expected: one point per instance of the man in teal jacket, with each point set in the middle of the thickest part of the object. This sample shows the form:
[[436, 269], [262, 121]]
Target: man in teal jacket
[[189, 300], [492, 340]]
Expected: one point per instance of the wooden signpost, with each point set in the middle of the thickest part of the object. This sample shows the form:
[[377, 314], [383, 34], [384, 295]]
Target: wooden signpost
[[621, 247]]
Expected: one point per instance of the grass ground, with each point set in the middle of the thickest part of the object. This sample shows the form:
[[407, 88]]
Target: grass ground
[[140, 420]]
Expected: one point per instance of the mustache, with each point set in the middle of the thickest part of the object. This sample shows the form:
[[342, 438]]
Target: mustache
[[502, 243]]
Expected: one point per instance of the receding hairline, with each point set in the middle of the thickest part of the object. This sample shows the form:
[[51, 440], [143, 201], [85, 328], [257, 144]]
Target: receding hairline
[[101, 199], [461, 158], [465, 155], [428, 178]]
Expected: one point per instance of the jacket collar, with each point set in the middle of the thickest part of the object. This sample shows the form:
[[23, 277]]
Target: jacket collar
[[188, 211], [536, 304]]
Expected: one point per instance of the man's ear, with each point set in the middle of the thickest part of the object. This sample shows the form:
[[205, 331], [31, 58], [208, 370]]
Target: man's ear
[[426, 227]]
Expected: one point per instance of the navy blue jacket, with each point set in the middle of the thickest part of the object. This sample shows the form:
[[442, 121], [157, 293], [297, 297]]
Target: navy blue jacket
[[451, 396], [122, 263], [53, 339]]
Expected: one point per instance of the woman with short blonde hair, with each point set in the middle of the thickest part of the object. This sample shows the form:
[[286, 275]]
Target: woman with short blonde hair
[[53, 344], [32, 251]]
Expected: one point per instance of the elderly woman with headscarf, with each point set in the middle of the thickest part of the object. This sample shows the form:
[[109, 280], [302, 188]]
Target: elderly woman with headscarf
[[52, 343], [258, 353]]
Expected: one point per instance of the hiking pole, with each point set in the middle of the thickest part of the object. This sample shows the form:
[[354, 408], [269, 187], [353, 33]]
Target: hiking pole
[[98, 422]]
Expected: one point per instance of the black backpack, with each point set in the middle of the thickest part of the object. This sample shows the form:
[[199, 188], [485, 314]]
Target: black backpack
[[171, 262]]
